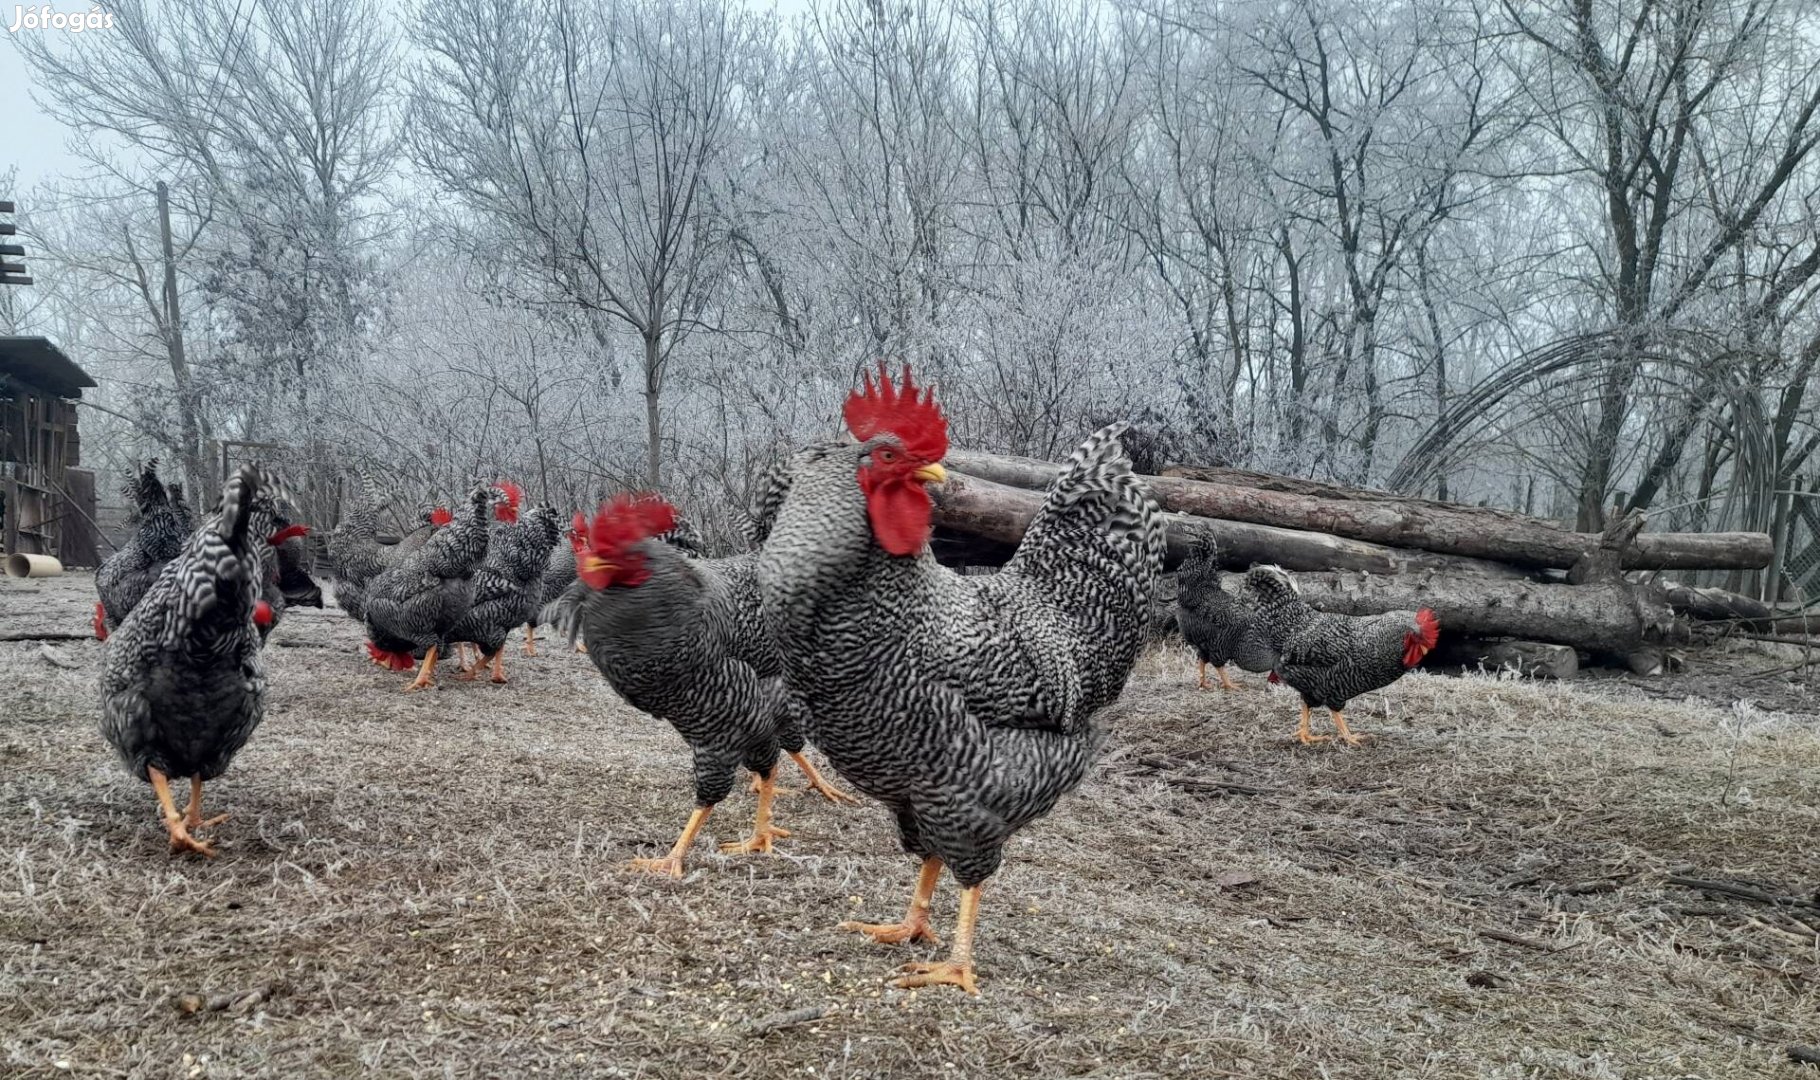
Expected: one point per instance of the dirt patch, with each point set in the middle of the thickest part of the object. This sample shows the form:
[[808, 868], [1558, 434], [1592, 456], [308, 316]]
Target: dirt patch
[[435, 885]]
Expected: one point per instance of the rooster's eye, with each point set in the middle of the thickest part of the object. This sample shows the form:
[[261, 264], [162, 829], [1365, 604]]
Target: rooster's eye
[[887, 455]]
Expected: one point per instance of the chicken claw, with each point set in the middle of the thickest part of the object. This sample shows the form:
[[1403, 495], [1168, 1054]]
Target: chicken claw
[[1305, 733], [670, 865], [943, 973], [915, 927], [818, 784], [1346, 734], [759, 843], [181, 840]]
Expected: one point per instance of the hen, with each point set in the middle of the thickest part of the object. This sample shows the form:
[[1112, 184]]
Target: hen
[[681, 638], [412, 606], [354, 551], [967, 705], [558, 575], [164, 523], [1220, 626], [1330, 659], [182, 683], [508, 588]]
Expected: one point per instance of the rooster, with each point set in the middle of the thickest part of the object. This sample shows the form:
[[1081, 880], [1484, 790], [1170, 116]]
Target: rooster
[[1330, 659], [164, 523], [681, 638], [1221, 627], [183, 683], [967, 705], [414, 604], [508, 588], [288, 583]]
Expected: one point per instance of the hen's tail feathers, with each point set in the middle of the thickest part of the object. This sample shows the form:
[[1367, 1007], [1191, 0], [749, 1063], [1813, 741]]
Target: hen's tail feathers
[[146, 492], [769, 490], [1097, 504], [219, 554], [563, 614]]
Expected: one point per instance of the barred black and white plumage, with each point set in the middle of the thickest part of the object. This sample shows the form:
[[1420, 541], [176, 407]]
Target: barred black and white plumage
[[1329, 658], [183, 684], [1222, 627], [966, 705], [508, 587], [414, 604], [163, 523], [682, 638], [354, 550]]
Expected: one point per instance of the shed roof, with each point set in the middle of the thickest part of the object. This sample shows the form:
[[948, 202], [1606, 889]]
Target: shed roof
[[36, 362]]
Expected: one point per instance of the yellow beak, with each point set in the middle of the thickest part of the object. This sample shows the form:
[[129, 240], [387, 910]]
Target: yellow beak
[[931, 474], [594, 564]]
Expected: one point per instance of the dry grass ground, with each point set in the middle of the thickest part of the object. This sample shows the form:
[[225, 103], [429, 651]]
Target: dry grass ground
[[434, 885]]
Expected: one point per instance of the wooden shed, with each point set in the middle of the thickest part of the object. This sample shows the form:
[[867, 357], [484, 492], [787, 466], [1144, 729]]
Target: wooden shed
[[47, 503]]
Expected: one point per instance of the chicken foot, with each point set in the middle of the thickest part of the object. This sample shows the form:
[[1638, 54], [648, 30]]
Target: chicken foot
[[174, 824], [915, 925], [957, 970], [1346, 735], [530, 639], [192, 814], [1306, 733], [672, 863], [1226, 682], [817, 782], [763, 832], [426, 673]]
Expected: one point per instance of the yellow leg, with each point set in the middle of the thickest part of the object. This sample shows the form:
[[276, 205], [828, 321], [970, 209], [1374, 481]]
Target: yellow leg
[[916, 918], [581, 646], [530, 639], [181, 840], [672, 864], [818, 783], [763, 832], [192, 817], [1305, 732], [957, 970], [426, 673], [1346, 735], [1226, 682], [1201, 683], [498, 663]]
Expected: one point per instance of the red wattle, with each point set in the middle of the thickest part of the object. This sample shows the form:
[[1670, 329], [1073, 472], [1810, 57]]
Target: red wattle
[[902, 516], [262, 613], [100, 622]]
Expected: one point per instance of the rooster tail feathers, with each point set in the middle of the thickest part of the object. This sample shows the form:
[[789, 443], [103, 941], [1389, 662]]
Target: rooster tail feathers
[[564, 612], [769, 489], [1097, 500]]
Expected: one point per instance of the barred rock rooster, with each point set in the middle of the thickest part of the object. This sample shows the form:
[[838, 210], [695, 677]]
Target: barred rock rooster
[[1330, 659], [164, 524], [508, 587], [967, 705], [183, 683], [413, 605], [1221, 627], [288, 582], [681, 638]]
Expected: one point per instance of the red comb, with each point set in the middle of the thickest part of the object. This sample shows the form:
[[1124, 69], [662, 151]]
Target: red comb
[[1421, 641], [631, 516], [883, 407], [508, 510], [391, 661], [100, 622], [262, 613], [578, 534], [289, 532], [442, 515]]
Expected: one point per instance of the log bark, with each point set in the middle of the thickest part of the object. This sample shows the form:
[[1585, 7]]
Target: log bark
[[998, 512], [1380, 518], [1606, 617], [1530, 659], [1720, 604]]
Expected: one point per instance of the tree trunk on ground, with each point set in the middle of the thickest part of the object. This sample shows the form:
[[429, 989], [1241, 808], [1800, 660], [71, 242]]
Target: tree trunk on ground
[[1611, 616], [997, 512], [1443, 528]]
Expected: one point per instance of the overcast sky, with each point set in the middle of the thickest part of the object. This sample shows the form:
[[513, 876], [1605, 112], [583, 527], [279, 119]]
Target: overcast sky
[[35, 140]]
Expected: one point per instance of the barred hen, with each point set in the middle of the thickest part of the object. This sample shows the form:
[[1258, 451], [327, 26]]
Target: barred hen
[[355, 552], [681, 638], [967, 705], [509, 585], [1330, 659], [182, 682], [288, 582], [413, 605], [1220, 626], [164, 524]]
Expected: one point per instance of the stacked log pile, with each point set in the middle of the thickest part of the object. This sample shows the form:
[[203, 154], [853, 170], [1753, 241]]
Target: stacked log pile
[[1511, 590]]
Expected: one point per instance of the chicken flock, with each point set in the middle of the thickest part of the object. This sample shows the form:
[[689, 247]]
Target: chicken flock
[[967, 705]]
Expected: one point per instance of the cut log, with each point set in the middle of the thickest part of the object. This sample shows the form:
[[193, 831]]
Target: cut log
[[1606, 617], [1530, 659], [1376, 517], [997, 512], [1719, 604]]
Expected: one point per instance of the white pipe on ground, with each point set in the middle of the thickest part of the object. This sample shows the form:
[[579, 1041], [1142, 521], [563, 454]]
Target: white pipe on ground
[[20, 564]]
